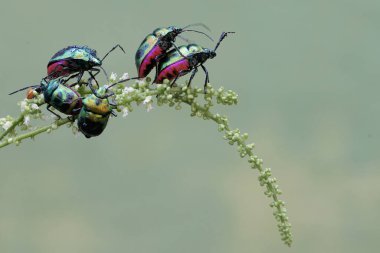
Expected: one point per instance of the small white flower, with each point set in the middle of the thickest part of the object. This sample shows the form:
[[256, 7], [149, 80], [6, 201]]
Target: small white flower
[[125, 112], [27, 120], [7, 125], [34, 106], [149, 107], [124, 76], [23, 105], [113, 77], [147, 100], [128, 90], [141, 81]]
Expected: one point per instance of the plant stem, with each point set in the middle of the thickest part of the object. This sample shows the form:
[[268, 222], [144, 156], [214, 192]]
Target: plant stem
[[14, 124], [35, 132], [142, 93], [256, 163]]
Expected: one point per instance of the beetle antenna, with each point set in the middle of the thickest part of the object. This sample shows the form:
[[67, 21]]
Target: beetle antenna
[[122, 81], [222, 37], [105, 72], [179, 51], [208, 36], [198, 24], [27, 87], [116, 46], [185, 39]]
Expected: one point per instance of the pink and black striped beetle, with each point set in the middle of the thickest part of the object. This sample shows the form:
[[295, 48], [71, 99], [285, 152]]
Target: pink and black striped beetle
[[186, 59], [74, 61], [155, 45]]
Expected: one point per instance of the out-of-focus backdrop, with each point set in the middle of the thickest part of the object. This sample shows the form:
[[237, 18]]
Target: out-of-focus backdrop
[[308, 77]]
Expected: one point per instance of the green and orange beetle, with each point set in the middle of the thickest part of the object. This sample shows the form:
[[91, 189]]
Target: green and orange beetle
[[96, 110], [63, 98]]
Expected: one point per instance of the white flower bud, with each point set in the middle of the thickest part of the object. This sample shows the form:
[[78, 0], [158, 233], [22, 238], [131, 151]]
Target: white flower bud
[[125, 112], [124, 76], [34, 107], [7, 125], [27, 120], [113, 77], [147, 100]]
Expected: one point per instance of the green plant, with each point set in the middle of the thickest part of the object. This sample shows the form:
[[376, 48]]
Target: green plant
[[142, 92]]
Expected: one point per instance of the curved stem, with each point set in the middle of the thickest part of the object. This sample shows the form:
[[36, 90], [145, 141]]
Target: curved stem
[[272, 189]]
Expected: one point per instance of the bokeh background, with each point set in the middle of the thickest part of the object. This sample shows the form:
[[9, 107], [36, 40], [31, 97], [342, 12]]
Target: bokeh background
[[308, 77]]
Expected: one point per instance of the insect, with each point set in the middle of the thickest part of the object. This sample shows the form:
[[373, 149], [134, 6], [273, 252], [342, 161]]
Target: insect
[[57, 95], [154, 46], [96, 110], [75, 60], [186, 59]]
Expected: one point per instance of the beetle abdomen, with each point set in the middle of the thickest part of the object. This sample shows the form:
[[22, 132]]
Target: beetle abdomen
[[149, 62], [91, 124], [145, 48], [65, 100], [73, 59], [173, 70], [56, 69]]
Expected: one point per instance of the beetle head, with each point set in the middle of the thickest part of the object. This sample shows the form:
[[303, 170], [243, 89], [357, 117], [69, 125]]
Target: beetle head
[[207, 54]]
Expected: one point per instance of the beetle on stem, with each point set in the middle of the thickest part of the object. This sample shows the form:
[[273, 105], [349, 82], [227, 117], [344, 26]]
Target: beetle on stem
[[155, 45], [75, 60], [186, 59]]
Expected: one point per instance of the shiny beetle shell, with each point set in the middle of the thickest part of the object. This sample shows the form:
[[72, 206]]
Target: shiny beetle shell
[[61, 97], [74, 58], [154, 45], [94, 115], [173, 63]]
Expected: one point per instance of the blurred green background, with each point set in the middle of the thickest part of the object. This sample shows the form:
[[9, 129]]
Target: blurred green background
[[308, 79]]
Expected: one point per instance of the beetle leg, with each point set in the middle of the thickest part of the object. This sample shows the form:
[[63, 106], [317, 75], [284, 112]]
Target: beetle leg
[[157, 59], [70, 77], [181, 73], [207, 80], [94, 69], [48, 108], [94, 74], [89, 83], [110, 93], [79, 75], [192, 76], [113, 103], [71, 118], [179, 51]]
